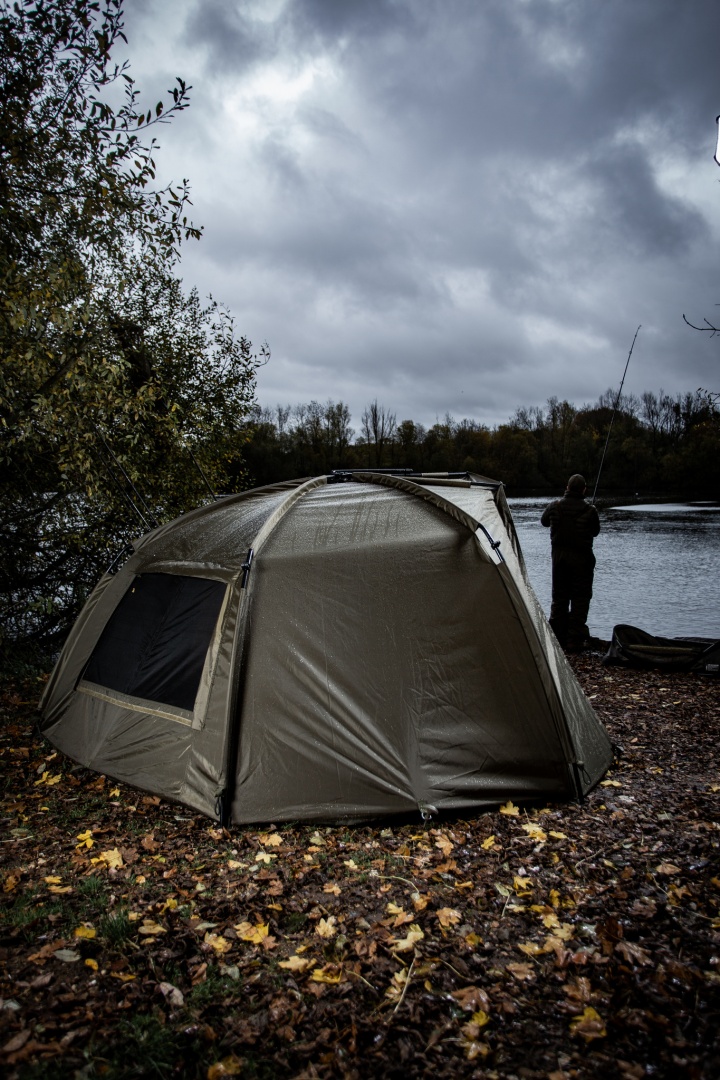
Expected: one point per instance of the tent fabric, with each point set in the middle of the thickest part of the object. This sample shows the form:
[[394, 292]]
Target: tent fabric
[[636, 648], [331, 651]]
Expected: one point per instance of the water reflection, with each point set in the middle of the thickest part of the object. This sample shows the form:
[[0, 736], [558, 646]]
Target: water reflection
[[658, 566]]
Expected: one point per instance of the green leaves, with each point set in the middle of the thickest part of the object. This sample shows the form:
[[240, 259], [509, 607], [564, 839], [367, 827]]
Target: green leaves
[[110, 374]]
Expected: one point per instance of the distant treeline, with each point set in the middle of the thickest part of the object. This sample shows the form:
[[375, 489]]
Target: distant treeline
[[660, 444]]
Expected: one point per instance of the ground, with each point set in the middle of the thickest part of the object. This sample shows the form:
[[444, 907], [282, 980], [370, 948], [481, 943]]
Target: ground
[[580, 941]]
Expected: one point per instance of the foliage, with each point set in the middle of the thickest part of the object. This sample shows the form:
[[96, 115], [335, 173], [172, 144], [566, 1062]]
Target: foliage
[[580, 938], [121, 398], [661, 445]]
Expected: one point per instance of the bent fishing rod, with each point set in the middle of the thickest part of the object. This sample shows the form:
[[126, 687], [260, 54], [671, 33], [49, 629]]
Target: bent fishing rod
[[612, 418]]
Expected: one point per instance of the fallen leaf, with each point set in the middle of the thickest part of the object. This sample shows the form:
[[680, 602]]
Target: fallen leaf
[[510, 809], [610, 783], [414, 935], [171, 994], [254, 934], [218, 943], [326, 927], [68, 956], [634, 953], [10, 883], [149, 926], [487, 844], [86, 840], [447, 916], [472, 999], [84, 932], [331, 974], [522, 972], [60, 890], [444, 844], [557, 835], [590, 1025], [668, 868], [535, 832], [227, 1066], [331, 887], [123, 976], [296, 963], [92, 964]]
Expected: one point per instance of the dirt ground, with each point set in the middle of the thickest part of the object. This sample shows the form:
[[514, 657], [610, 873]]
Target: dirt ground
[[137, 939]]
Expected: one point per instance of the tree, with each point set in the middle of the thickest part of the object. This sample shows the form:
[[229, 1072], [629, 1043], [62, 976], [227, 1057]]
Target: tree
[[122, 399], [378, 430]]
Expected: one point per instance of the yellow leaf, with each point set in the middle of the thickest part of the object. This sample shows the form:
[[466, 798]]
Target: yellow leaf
[[151, 927], [254, 934], [331, 973], [531, 948], [415, 934], [331, 887], [554, 897], [11, 882], [218, 943], [510, 808], [53, 779], [59, 890], [557, 835], [393, 909], [419, 901], [263, 856], [326, 927], [123, 976], [480, 1018], [112, 858], [228, 1066], [590, 1025], [487, 844], [447, 916], [84, 932], [274, 840], [351, 864], [296, 963], [521, 883], [169, 905], [535, 832], [550, 921], [610, 783], [233, 864], [86, 839], [114, 793], [92, 964]]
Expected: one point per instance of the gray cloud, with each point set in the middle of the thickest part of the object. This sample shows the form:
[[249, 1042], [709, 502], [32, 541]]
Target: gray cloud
[[451, 206]]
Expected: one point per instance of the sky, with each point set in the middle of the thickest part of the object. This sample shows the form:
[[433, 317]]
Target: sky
[[450, 206]]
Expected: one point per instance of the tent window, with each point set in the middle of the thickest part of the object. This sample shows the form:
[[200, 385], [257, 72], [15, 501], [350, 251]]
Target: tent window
[[155, 644]]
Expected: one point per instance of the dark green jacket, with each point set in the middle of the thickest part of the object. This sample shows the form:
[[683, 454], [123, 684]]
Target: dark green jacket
[[573, 523]]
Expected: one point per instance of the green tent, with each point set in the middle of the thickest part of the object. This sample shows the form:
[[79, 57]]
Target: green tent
[[343, 647]]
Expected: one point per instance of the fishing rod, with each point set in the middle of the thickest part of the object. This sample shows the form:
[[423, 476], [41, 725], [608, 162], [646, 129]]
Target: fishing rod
[[612, 418]]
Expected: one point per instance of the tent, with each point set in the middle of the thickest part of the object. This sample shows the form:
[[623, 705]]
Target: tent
[[349, 646]]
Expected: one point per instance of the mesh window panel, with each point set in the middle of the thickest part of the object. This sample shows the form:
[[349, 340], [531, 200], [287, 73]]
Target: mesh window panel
[[155, 644]]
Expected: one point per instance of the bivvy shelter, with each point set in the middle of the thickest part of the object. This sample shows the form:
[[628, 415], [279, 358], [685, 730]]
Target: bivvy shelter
[[349, 646]]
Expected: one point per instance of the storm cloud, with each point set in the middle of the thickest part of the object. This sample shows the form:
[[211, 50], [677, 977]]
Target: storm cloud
[[449, 206]]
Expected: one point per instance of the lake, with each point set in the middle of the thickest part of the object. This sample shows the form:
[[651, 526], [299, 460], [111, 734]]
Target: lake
[[658, 566]]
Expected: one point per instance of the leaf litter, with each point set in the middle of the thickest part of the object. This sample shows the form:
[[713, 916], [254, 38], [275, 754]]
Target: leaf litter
[[561, 942]]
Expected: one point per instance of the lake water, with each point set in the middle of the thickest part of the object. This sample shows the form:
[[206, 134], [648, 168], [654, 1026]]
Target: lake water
[[658, 566]]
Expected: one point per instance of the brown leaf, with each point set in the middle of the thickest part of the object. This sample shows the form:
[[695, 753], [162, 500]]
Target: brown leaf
[[634, 953], [668, 868], [472, 999], [17, 1042]]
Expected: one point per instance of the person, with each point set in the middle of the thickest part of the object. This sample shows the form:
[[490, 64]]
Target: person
[[573, 524]]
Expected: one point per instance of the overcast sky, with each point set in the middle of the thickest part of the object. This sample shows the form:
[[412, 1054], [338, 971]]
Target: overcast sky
[[458, 206]]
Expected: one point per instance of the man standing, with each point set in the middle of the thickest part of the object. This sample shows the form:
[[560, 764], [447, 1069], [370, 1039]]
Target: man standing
[[573, 524]]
